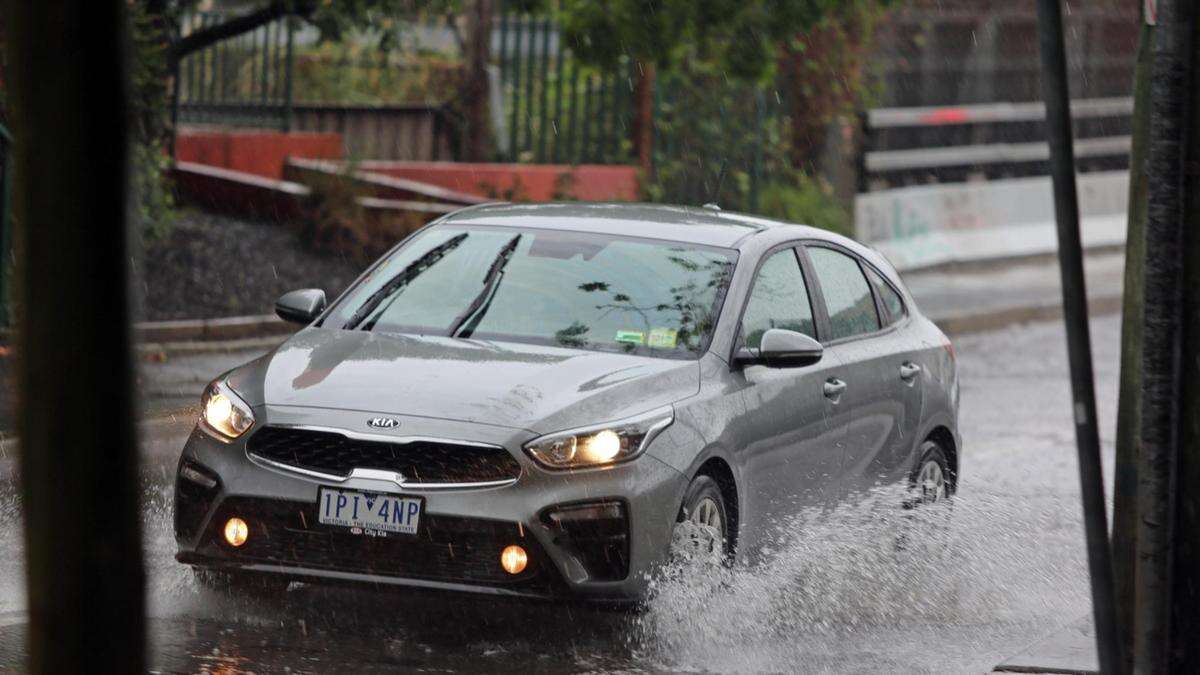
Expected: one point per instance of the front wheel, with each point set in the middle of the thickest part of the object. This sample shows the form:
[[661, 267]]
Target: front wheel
[[701, 534]]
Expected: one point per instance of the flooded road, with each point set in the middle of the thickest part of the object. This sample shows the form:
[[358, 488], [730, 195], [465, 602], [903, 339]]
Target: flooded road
[[868, 588]]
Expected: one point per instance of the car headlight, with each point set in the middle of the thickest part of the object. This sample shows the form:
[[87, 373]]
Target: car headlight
[[224, 412], [600, 444]]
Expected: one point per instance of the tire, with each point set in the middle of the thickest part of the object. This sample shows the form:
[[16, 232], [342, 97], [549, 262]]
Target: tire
[[701, 533]]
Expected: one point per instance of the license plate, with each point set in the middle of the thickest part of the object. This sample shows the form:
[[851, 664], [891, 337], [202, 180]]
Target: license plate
[[368, 511]]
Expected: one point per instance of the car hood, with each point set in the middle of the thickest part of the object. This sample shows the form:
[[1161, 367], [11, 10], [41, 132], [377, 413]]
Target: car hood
[[532, 387]]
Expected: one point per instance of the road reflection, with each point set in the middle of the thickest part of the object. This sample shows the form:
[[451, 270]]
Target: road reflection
[[365, 629]]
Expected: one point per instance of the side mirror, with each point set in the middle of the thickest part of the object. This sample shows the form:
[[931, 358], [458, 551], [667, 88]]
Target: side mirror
[[301, 306], [781, 348]]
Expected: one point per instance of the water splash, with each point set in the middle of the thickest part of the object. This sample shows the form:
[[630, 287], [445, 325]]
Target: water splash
[[868, 583]]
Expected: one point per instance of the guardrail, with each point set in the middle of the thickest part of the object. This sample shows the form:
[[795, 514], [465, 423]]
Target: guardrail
[[950, 144]]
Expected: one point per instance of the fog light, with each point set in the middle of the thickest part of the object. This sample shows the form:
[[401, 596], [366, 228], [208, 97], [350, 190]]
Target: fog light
[[514, 559], [236, 532]]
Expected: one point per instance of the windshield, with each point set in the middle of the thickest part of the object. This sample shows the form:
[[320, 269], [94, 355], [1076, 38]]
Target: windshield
[[571, 289]]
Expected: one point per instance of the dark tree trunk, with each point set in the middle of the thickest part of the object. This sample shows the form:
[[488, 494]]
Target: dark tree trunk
[[245, 23], [823, 80], [643, 118], [477, 144], [76, 416]]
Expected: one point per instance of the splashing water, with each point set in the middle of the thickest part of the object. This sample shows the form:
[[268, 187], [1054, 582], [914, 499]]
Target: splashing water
[[869, 583]]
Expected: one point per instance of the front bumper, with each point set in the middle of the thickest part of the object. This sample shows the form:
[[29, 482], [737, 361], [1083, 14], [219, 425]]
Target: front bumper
[[462, 530]]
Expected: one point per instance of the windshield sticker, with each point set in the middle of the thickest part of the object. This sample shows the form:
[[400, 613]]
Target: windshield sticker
[[663, 338], [633, 337]]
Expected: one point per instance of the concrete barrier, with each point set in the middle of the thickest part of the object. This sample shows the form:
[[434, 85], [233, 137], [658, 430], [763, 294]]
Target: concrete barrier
[[931, 225]]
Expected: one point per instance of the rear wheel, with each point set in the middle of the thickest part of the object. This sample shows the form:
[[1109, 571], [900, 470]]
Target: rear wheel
[[932, 479], [701, 532], [923, 530]]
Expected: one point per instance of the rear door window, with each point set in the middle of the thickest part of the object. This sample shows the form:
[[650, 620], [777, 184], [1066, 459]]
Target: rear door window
[[848, 297], [779, 300]]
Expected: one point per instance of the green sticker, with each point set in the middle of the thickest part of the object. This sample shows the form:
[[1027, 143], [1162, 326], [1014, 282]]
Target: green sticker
[[635, 337], [663, 338]]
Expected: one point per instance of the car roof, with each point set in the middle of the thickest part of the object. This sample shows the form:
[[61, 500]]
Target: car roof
[[694, 224]]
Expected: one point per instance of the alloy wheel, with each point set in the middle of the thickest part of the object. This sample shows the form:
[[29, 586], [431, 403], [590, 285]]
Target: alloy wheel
[[931, 481]]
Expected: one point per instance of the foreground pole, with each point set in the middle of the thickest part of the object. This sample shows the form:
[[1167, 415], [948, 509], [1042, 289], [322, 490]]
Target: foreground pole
[[1070, 256], [76, 418], [1162, 337]]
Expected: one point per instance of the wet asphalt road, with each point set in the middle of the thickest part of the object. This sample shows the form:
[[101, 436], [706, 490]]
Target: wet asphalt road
[[864, 589]]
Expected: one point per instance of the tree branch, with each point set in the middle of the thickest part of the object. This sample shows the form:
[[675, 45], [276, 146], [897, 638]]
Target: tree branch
[[197, 40]]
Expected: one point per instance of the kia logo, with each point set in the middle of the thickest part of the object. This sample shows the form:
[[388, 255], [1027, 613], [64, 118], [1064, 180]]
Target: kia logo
[[383, 423]]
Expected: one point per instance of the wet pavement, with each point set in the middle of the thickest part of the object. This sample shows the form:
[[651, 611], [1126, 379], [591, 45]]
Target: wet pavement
[[866, 588]]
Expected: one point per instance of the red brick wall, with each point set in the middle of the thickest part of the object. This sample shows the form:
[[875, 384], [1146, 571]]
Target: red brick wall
[[262, 153]]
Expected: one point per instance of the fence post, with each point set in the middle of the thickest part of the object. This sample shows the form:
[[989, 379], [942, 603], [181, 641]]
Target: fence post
[[514, 71], [543, 109], [287, 75], [757, 156]]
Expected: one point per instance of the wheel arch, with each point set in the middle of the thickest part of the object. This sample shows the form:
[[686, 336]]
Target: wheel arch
[[718, 469]]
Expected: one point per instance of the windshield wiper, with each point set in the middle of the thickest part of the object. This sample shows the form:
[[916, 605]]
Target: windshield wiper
[[402, 279], [491, 281]]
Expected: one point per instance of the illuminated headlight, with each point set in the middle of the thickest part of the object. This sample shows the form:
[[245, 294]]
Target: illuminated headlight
[[600, 444], [224, 412]]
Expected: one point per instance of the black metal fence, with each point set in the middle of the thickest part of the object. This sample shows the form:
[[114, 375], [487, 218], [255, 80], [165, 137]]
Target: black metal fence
[[555, 109], [245, 80], [709, 133]]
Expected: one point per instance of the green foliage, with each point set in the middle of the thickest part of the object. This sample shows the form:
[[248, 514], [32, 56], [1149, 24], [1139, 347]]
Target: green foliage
[[337, 19], [352, 74], [149, 163], [806, 201], [741, 36], [713, 137]]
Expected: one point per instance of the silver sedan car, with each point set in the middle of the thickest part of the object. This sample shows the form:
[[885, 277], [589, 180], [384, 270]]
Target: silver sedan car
[[533, 400]]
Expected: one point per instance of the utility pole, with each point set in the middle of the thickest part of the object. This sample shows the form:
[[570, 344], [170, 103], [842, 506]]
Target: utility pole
[[1185, 560], [84, 574], [1129, 409], [1075, 314], [1162, 358]]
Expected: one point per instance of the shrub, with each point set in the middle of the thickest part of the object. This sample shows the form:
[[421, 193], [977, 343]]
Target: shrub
[[807, 201]]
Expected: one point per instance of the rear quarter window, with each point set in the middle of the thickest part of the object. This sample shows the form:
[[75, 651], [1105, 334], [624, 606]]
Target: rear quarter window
[[848, 298], [893, 305]]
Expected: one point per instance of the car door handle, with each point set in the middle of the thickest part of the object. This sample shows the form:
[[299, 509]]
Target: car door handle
[[834, 388], [909, 370]]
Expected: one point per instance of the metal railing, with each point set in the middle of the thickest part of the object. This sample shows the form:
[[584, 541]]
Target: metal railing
[[556, 110], [907, 146], [245, 80]]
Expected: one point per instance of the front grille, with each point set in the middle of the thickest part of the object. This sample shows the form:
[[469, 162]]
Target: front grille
[[418, 461], [445, 548]]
